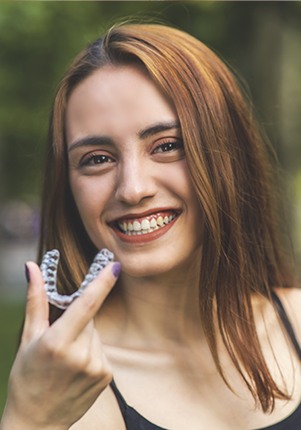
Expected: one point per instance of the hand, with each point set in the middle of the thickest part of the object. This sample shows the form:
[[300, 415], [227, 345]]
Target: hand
[[59, 370]]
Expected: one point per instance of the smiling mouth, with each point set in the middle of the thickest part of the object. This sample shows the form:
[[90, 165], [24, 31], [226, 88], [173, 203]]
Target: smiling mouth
[[147, 224]]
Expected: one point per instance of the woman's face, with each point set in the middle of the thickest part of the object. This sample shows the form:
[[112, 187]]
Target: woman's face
[[128, 172]]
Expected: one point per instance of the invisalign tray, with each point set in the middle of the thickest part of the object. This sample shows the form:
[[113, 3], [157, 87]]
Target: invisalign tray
[[49, 266]]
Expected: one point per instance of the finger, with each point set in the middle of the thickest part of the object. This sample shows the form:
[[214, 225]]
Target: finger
[[84, 339], [99, 366], [79, 313], [37, 309], [87, 352]]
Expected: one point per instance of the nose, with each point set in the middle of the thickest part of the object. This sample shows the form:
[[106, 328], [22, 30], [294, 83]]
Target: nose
[[135, 181]]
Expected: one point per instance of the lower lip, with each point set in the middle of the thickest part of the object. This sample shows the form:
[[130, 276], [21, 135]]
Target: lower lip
[[146, 237]]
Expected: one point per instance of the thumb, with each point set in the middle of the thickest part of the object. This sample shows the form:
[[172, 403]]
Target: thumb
[[37, 308]]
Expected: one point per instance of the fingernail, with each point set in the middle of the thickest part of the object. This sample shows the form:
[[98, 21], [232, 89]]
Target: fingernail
[[27, 275], [116, 269]]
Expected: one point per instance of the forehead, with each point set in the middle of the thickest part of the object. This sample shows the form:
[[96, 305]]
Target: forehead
[[115, 101]]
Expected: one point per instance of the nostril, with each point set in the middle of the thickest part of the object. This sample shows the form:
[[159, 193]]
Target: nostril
[[133, 194]]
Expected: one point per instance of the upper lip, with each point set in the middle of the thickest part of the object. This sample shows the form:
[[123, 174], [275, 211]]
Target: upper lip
[[146, 213]]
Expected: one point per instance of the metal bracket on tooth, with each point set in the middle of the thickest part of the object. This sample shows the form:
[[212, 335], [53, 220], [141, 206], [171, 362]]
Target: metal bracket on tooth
[[49, 266]]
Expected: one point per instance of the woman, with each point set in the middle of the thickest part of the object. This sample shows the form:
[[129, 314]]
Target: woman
[[154, 154]]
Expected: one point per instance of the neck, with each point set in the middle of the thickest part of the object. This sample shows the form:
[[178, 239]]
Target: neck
[[154, 311]]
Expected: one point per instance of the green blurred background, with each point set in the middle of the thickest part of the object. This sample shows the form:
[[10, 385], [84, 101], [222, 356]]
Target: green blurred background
[[260, 40]]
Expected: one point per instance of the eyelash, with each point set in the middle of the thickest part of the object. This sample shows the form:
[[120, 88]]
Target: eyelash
[[175, 144], [86, 161], [164, 147]]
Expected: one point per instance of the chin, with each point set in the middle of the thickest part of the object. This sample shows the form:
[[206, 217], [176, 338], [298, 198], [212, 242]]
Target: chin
[[162, 264]]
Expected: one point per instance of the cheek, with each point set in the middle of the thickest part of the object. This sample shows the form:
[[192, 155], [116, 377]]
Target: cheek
[[180, 180], [184, 184], [90, 196]]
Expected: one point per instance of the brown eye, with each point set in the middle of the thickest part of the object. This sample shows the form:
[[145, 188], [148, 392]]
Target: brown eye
[[95, 159], [173, 145]]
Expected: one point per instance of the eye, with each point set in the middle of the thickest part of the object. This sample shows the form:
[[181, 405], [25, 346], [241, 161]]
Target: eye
[[94, 159], [169, 146]]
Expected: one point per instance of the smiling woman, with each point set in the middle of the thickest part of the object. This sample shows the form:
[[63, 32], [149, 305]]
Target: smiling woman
[[155, 155]]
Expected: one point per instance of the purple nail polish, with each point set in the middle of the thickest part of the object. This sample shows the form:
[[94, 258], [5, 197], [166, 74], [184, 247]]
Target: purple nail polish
[[27, 275], [116, 269]]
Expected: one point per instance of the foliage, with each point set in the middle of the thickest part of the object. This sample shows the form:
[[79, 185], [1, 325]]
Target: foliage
[[11, 317]]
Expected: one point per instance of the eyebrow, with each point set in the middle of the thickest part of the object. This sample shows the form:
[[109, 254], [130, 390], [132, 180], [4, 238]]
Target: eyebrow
[[91, 141], [157, 128], [142, 134]]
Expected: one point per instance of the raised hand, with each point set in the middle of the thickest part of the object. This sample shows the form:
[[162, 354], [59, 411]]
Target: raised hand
[[61, 369]]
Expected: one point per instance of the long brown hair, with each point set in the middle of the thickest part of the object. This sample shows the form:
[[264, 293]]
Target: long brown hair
[[229, 165]]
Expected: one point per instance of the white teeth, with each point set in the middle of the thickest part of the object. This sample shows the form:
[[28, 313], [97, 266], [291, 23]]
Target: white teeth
[[153, 223], [145, 226], [137, 226], [160, 221]]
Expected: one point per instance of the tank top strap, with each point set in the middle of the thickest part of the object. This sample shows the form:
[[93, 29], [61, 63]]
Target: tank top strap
[[286, 322], [133, 420], [121, 402]]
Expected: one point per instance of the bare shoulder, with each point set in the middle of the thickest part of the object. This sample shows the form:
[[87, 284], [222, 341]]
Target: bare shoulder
[[291, 300]]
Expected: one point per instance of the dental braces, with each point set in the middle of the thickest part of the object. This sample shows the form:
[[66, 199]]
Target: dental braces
[[49, 266]]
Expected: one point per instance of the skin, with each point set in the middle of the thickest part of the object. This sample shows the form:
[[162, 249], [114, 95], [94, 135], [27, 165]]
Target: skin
[[147, 332], [139, 173], [66, 358]]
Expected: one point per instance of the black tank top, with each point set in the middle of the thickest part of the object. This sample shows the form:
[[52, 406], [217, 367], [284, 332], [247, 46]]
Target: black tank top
[[134, 421]]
